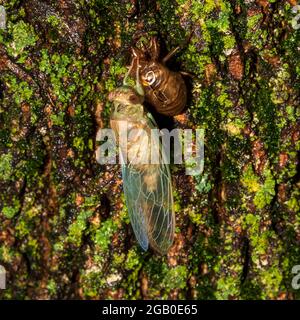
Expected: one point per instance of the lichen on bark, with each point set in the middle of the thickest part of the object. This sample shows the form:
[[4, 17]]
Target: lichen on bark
[[64, 228]]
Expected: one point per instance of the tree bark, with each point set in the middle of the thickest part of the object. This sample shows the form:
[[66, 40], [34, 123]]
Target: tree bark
[[64, 229]]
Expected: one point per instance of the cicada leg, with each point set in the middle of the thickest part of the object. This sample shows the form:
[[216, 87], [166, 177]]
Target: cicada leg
[[138, 86], [170, 54], [175, 50], [187, 74], [154, 48], [125, 80]]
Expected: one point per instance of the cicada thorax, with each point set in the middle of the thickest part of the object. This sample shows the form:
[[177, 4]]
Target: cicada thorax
[[138, 149], [165, 90]]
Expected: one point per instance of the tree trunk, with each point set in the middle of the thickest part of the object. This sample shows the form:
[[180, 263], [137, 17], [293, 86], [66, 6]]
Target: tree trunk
[[64, 228]]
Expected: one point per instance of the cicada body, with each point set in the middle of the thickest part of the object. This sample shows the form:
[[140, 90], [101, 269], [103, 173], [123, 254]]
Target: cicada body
[[147, 186], [165, 90]]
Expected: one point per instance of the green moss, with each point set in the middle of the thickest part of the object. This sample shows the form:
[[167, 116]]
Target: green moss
[[253, 21], [53, 20], [58, 119], [132, 260], [104, 233], [175, 278], [227, 287], [10, 212], [5, 253], [266, 192], [203, 184], [78, 227], [23, 36], [118, 259], [196, 218], [52, 287], [22, 91], [79, 143], [6, 168], [32, 248], [117, 69], [224, 101], [293, 203], [252, 221], [229, 42], [250, 180], [271, 279], [23, 228], [64, 72]]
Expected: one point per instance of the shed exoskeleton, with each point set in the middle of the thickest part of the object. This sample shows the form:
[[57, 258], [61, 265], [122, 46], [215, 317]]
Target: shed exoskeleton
[[164, 89]]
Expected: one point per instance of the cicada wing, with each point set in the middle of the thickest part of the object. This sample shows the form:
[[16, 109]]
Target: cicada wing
[[161, 218], [160, 212], [148, 195], [149, 199], [132, 185]]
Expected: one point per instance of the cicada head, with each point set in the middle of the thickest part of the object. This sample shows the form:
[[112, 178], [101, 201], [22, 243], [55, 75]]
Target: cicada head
[[125, 95], [127, 103]]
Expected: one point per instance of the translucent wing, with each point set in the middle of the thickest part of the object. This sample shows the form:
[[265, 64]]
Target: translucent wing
[[132, 184], [149, 199]]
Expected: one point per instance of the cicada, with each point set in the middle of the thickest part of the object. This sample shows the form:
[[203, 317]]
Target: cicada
[[165, 90], [147, 186]]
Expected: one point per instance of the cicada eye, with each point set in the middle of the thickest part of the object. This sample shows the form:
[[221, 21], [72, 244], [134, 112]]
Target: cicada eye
[[134, 99]]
